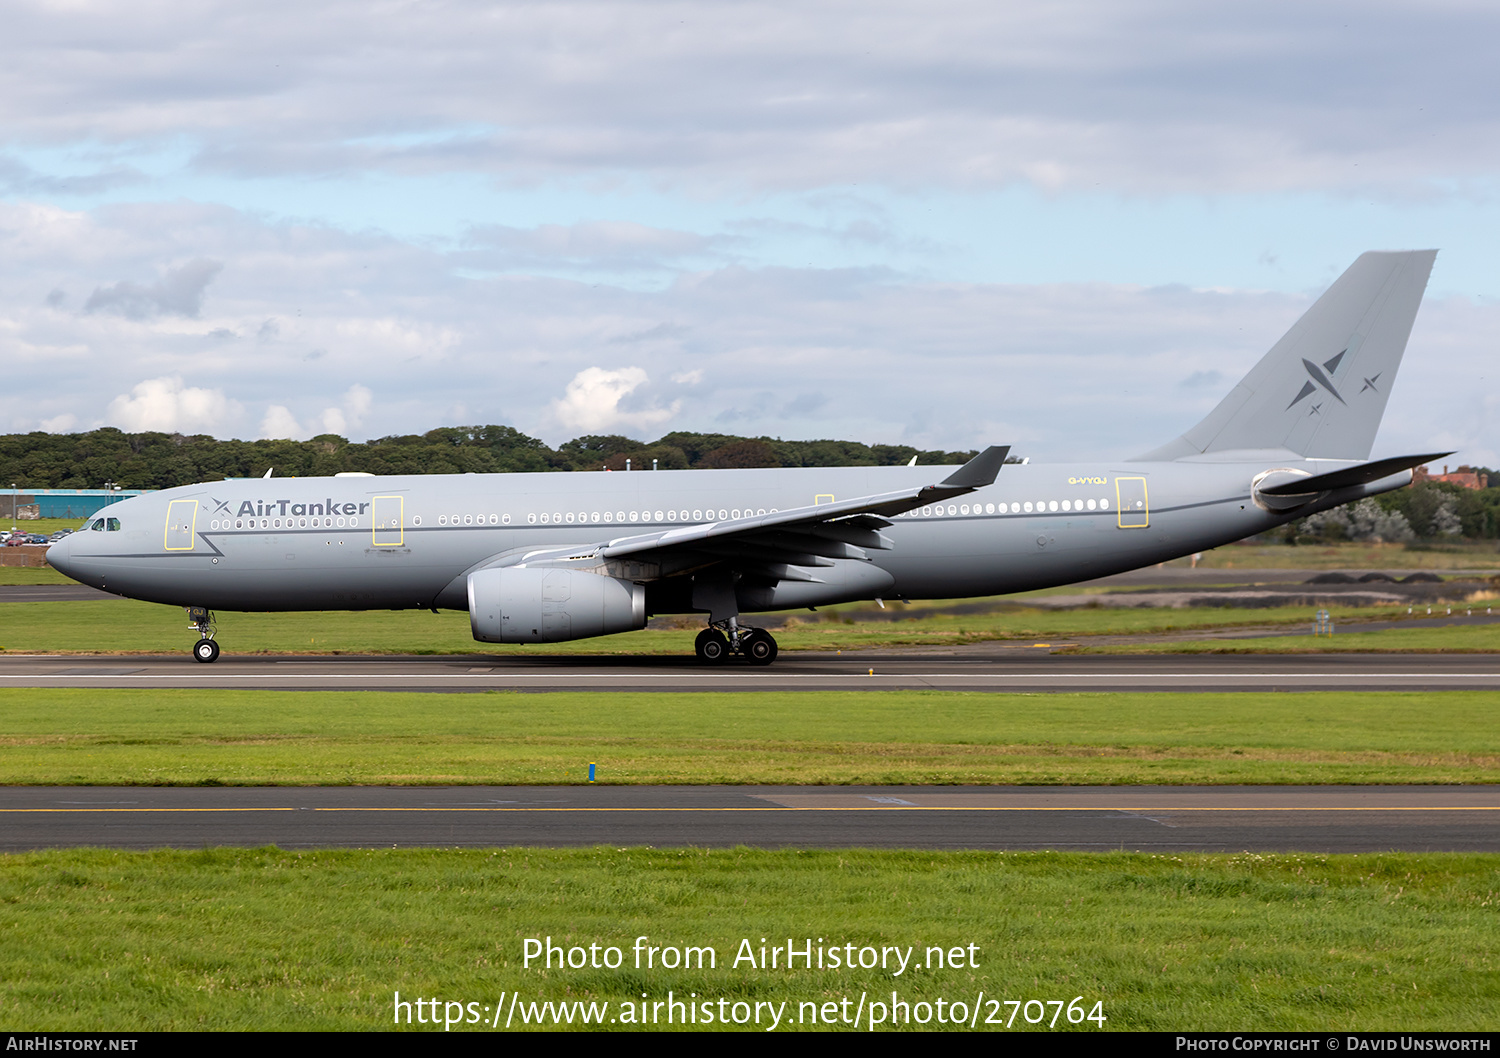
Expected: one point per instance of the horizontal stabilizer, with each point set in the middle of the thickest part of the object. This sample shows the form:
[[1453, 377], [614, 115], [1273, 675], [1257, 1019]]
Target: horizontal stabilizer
[[1348, 477]]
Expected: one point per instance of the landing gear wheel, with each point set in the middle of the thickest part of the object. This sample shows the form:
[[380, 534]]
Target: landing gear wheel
[[759, 647], [711, 646], [206, 651]]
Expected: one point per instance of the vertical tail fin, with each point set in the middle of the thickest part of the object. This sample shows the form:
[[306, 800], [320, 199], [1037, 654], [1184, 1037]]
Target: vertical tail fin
[[1321, 390]]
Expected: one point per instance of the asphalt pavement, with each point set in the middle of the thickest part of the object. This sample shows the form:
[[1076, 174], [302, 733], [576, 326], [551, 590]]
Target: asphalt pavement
[[1137, 819], [981, 667]]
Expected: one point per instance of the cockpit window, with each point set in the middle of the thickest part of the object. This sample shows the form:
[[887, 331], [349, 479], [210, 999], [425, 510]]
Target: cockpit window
[[112, 525], [98, 525]]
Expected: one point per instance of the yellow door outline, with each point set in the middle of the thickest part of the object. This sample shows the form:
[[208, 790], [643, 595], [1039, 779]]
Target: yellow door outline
[[822, 498], [387, 521], [1132, 505], [182, 525]]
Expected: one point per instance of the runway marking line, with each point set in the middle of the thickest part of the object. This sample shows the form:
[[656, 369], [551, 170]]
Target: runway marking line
[[616, 677], [1158, 809]]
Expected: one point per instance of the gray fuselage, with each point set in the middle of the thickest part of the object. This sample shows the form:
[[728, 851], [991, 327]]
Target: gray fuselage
[[359, 542]]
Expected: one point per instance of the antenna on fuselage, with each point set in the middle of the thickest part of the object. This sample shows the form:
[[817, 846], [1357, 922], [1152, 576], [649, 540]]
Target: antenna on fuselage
[[267, 473]]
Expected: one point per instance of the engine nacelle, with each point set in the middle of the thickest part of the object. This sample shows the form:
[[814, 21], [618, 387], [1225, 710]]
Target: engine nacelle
[[1279, 504], [521, 604]]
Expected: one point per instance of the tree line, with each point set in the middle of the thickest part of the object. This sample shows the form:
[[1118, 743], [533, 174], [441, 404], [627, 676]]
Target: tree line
[[152, 460], [1433, 511]]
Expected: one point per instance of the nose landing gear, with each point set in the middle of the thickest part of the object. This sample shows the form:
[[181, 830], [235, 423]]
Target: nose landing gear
[[205, 650]]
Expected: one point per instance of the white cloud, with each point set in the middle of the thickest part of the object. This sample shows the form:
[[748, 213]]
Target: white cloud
[[351, 414], [1143, 95], [357, 403], [591, 402], [60, 423], [280, 423], [165, 404], [594, 246]]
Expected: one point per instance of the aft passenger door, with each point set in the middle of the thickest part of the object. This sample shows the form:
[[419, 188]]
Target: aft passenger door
[[1132, 507]]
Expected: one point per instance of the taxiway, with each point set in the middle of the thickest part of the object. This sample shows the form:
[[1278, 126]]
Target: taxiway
[[1143, 819]]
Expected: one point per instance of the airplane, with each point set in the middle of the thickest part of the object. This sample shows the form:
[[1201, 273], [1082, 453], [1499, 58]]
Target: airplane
[[545, 558]]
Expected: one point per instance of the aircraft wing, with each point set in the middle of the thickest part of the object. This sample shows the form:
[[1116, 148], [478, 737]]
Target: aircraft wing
[[804, 535]]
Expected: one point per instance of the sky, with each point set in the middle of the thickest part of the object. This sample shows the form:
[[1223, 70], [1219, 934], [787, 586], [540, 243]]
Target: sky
[[1069, 227]]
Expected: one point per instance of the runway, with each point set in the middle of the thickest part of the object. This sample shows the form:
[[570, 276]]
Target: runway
[[1138, 819], [984, 667]]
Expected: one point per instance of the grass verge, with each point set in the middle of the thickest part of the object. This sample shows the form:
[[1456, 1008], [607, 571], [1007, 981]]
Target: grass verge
[[32, 575], [126, 627], [1477, 554], [267, 939], [1406, 639], [189, 737]]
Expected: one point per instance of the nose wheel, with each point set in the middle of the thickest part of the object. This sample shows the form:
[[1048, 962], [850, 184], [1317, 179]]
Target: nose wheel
[[205, 650]]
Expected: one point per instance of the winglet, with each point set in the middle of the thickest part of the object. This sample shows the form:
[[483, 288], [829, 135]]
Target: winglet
[[979, 471]]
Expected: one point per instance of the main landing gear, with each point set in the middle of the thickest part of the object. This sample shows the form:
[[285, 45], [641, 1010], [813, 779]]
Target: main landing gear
[[755, 645], [205, 650]]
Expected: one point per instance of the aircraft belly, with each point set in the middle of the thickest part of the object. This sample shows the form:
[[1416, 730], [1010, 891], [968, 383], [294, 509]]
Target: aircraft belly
[[1002, 555], [255, 572], [992, 555]]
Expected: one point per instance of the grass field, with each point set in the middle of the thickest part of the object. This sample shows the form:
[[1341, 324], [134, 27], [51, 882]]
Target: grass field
[[123, 626], [32, 575], [1479, 554], [268, 939], [1408, 639], [186, 737], [44, 526]]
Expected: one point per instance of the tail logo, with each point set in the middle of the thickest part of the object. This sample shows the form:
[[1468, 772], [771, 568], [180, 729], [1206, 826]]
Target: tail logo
[[1317, 374]]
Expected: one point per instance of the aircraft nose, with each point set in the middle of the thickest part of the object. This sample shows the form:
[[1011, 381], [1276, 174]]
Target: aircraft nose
[[59, 553]]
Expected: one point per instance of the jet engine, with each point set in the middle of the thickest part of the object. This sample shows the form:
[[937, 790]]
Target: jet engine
[[522, 604], [1282, 477]]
